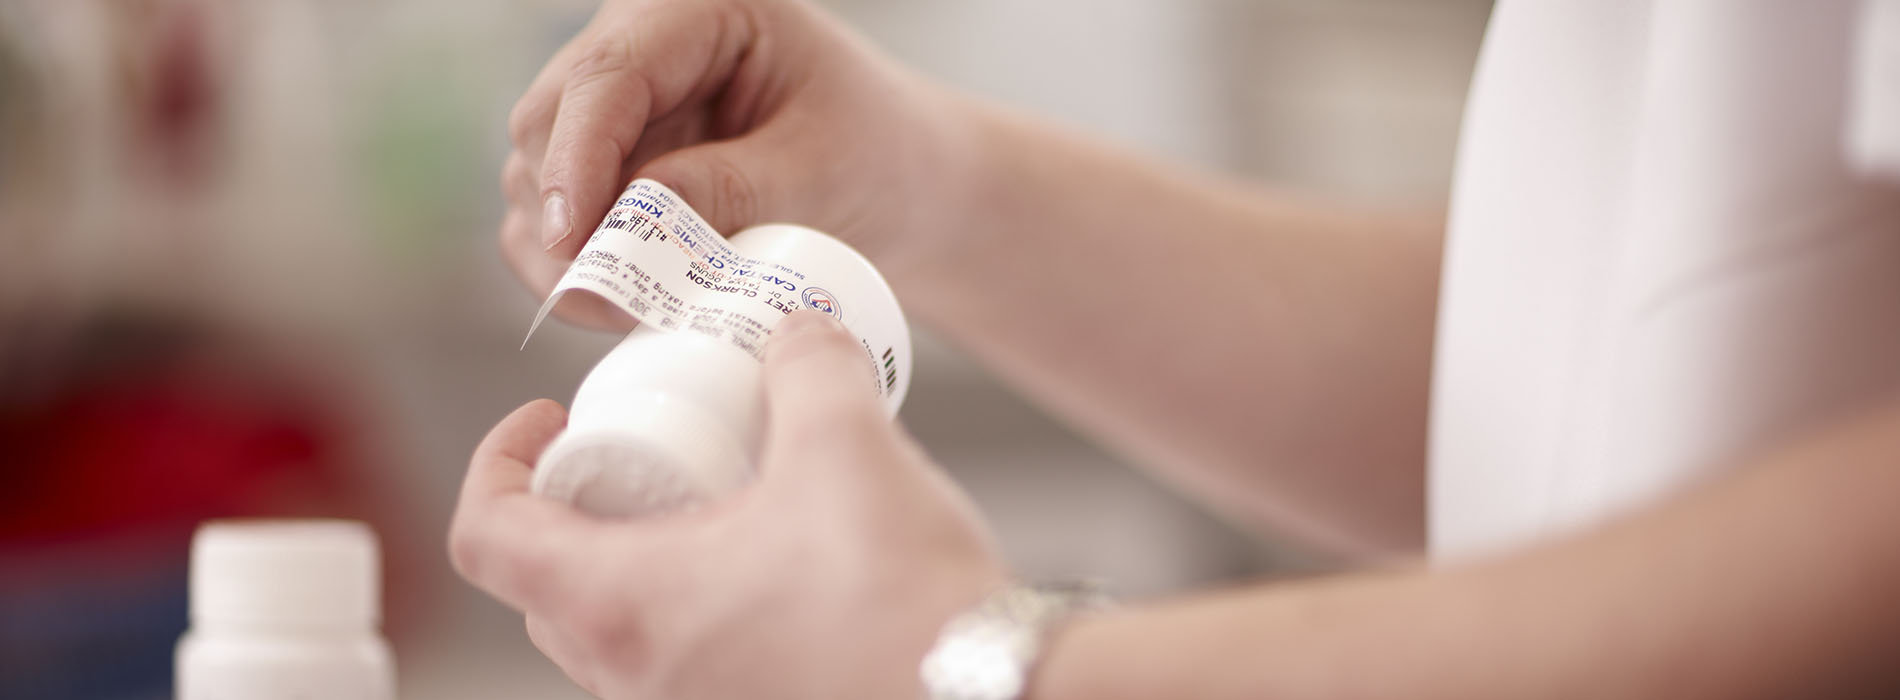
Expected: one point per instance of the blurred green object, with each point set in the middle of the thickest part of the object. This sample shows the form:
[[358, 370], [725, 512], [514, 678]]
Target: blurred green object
[[20, 99], [422, 120]]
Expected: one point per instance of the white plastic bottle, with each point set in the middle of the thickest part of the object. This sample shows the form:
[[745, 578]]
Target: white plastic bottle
[[674, 417], [284, 610]]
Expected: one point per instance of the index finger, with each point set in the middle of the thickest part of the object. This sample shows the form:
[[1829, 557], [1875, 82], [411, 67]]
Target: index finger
[[631, 72], [603, 109]]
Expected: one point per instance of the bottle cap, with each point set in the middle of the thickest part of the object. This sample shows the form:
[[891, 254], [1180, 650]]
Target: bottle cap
[[285, 573]]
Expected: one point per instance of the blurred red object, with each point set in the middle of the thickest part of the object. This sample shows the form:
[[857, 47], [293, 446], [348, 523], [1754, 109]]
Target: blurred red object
[[118, 435], [141, 425], [163, 446]]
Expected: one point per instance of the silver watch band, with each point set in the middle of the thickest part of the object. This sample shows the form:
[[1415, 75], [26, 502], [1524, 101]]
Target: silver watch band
[[989, 651]]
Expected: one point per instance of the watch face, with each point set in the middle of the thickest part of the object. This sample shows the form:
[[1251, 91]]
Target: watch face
[[986, 653], [977, 662]]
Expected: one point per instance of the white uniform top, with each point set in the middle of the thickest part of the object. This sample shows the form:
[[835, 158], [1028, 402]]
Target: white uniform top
[[1667, 250]]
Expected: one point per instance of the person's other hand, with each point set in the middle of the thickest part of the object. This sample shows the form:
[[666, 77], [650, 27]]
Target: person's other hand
[[826, 578], [755, 111]]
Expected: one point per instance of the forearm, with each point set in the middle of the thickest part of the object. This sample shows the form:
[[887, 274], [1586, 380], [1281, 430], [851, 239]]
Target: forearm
[[1776, 583], [1273, 352]]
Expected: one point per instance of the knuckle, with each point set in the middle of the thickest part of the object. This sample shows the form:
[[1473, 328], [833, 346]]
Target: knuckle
[[515, 236], [557, 169], [511, 171], [505, 236], [606, 57], [522, 121], [566, 159], [520, 185]]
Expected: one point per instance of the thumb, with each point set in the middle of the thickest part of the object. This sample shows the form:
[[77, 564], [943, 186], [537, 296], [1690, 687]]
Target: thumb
[[730, 183], [821, 397]]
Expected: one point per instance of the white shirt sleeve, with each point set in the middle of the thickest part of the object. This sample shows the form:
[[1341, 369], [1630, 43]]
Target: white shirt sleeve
[[1873, 127]]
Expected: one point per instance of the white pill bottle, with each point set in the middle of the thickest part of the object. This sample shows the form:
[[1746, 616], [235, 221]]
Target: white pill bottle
[[674, 417], [284, 610]]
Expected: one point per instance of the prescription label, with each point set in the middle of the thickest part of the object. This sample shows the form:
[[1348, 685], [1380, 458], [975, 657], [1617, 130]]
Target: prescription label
[[660, 262]]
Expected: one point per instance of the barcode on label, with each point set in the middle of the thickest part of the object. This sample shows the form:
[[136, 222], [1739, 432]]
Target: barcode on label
[[646, 229]]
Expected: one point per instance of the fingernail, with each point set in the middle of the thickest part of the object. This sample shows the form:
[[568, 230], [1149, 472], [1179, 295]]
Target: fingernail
[[555, 222]]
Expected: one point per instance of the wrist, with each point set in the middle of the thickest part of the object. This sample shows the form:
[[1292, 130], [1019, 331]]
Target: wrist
[[1063, 670], [941, 176], [928, 605], [1000, 200]]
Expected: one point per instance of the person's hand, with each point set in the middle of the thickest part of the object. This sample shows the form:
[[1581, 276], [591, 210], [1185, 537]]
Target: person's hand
[[755, 111], [826, 578]]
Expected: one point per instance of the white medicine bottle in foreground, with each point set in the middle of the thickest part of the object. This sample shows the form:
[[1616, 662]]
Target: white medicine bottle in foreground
[[672, 417], [284, 610]]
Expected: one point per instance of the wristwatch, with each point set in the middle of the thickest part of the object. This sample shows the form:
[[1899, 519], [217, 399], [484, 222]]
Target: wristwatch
[[988, 652]]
